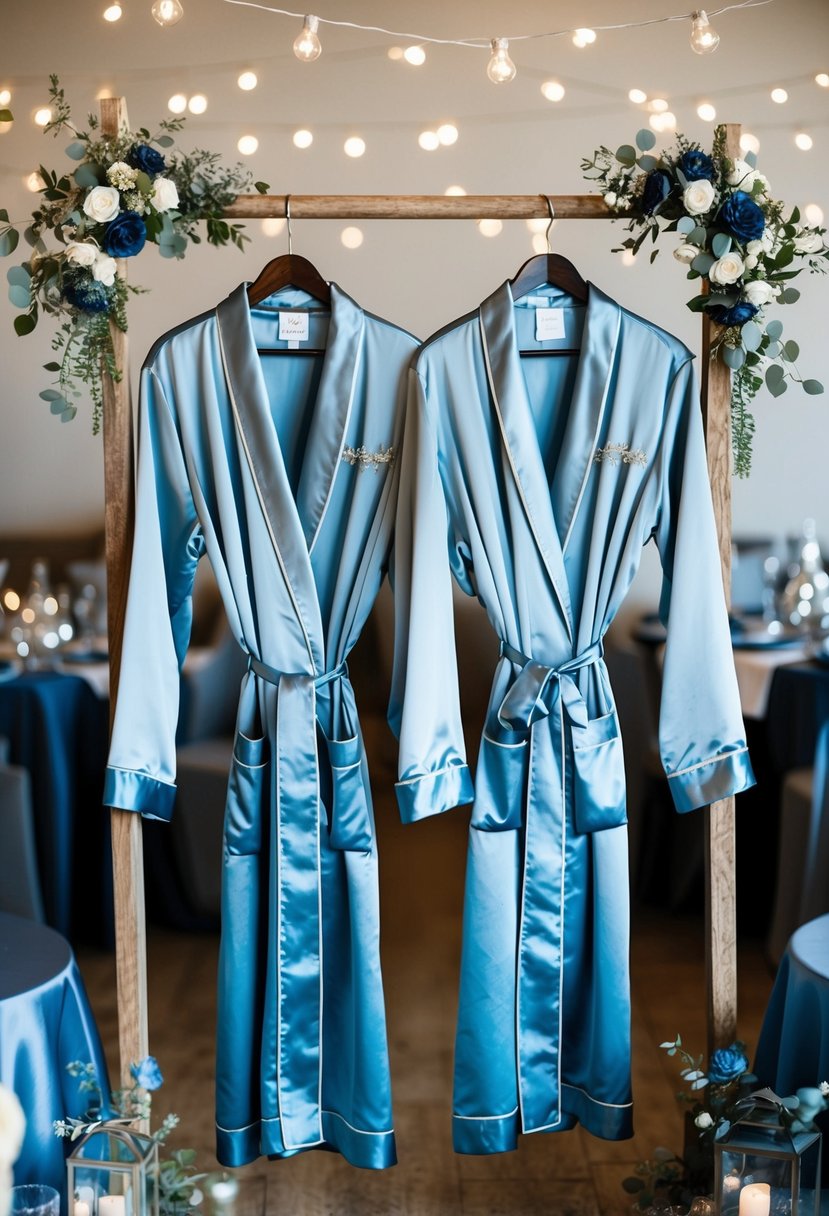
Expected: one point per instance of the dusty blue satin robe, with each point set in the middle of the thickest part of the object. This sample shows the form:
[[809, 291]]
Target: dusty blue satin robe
[[546, 476], [281, 469]]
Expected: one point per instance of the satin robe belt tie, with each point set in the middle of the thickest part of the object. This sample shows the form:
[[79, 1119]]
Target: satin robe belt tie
[[296, 776], [541, 704]]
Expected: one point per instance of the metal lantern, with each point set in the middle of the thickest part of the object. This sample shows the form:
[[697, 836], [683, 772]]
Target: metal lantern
[[113, 1171], [762, 1168]]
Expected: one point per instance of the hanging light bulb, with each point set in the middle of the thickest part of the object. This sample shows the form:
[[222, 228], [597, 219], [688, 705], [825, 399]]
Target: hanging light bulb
[[113, 12], [177, 103], [822, 79], [706, 111], [749, 143], [167, 12], [247, 81], [500, 69], [638, 96], [583, 38], [307, 45], [552, 90], [5, 96], [415, 55], [803, 141], [704, 38]]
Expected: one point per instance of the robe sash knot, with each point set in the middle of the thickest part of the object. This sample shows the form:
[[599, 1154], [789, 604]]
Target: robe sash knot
[[303, 703]]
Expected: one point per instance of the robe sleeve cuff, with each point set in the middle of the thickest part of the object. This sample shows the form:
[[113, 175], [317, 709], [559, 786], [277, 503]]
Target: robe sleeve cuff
[[433, 793], [711, 780], [131, 791]]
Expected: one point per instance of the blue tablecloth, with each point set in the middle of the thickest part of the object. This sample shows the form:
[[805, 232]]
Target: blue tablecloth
[[45, 1022], [57, 729], [798, 707]]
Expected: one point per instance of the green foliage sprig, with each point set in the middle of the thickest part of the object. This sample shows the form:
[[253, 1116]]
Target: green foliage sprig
[[126, 190], [735, 239]]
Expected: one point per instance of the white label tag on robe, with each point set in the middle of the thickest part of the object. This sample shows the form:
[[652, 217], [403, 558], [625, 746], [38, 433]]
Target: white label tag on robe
[[549, 323], [293, 328]]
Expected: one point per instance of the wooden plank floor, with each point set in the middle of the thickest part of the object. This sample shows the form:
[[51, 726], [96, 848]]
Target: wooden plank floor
[[422, 882]]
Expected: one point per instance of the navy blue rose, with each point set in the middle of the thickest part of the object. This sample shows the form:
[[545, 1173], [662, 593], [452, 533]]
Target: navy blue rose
[[697, 166], [737, 314], [125, 236], [147, 1074], [87, 294], [149, 160], [742, 217], [727, 1063], [657, 188]]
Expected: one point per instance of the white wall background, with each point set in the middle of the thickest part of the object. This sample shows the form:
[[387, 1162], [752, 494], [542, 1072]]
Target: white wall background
[[420, 274]]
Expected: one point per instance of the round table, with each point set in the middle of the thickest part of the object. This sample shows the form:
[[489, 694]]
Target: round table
[[45, 1023]]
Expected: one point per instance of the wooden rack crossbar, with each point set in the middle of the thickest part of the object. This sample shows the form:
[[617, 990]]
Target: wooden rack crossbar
[[131, 952]]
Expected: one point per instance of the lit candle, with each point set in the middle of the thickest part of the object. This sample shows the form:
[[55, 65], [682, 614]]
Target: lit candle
[[755, 1199], [80, 1208], [115, 1205]]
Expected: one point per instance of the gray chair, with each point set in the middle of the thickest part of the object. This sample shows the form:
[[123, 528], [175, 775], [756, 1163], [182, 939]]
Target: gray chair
[[20, 892], [802, 890]]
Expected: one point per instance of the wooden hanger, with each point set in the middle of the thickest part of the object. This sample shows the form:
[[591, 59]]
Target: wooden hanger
[[289, 270], [554, 270]]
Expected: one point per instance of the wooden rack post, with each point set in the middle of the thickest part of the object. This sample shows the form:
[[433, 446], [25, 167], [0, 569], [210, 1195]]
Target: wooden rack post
[[127, 857]]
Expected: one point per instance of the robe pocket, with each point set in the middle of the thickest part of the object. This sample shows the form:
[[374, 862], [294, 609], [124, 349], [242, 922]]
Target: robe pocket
[[501, 779], [350, 826], [246, 795], [599, 775]]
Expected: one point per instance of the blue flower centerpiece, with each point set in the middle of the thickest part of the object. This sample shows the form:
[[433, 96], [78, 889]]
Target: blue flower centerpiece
[[123, 193], [735, 239]]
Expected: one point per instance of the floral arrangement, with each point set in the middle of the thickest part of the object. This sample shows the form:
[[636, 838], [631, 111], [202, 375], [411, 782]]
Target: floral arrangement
[[714, 1099], [178, 1193], [12, 1129], [735, 239], [127, 190]]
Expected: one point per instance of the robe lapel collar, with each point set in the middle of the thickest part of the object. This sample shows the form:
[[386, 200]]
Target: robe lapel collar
[[587, 408], [509, 395], [251, 409]]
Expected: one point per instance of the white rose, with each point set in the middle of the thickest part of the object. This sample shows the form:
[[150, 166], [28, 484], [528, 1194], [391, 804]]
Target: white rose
[[102, 204], [742, 169], [698, 197], [12, 1126], [104, 270], [808, 242], [704, 1120], [751, 261], [686, 253], [5, 1188], [165, 194], [610, 198], [82, 253], [758, 292], [727, 269]]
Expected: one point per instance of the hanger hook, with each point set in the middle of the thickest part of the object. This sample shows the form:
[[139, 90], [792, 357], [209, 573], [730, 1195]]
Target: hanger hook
[[288, 219], [552, 211]]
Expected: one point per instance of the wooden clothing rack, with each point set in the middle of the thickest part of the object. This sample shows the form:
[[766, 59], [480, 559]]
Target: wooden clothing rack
[[127, 856]]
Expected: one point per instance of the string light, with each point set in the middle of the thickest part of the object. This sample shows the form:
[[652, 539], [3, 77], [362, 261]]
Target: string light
[[813, 214], [628, 258], [780, 96], [664, 121], [803, 141], [303, 138], [537, 226], [354, 146], [273, 225], [448, 134], [415, 55], [307, 45], [637, 96], [657, 105], [352, 238], [454, 191], [552, 90], [395, 52], [490, 227], [247, 145], [822, 79], [5, 96], [539, 243], [704, 38], [247, 81], [583, 38], [43, 116], [500, 69], [177, 103], [428, 140], [34, 182], [197, 103], [113, 12], [706, 111], [749, 143], [167, 12]]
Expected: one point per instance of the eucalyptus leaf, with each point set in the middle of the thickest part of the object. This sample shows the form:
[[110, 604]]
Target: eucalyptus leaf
[[647, 163], [51, 367], [8, 241], [775, 374], [790, 350], [166, 249], [24, 325], [19, 296], [681, 178], [733, 357], [626, 155], [789, 296], [773, 350], [702, 263], [50, 394], [19, 275], [751, 159], [686, 224], [69, 413], [76, 150], [57, 404], [143, 182], [165, 141], [4, 216], [698, 235], [645, 139], [261, 187], [774, 329], [778, 388], [794, 218], [87, 175], [751, 335], [721, 244], [813, 387], [30, 236]]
